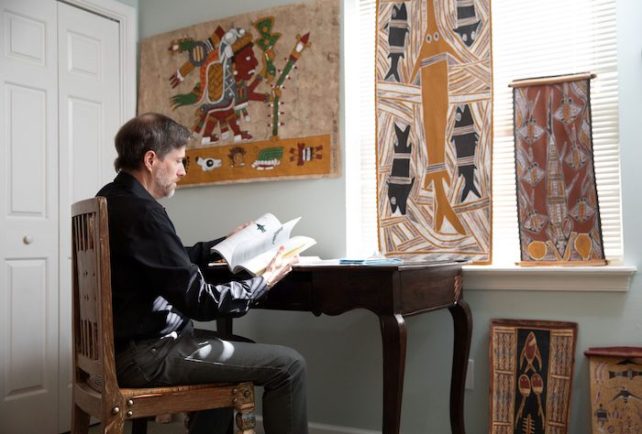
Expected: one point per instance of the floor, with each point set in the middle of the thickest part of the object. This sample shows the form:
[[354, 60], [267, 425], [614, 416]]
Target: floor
[[175, 426]]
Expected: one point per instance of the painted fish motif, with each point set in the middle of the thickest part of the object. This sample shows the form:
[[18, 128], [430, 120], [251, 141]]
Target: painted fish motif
[[533, 174], [529, 130], [399, 182], [568, 110], [397, 31], [583, 210], [465, 139], [531, 220], [468, 23]]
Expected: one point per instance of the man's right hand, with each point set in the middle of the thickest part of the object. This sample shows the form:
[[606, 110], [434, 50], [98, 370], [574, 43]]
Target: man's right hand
[[278, 267]]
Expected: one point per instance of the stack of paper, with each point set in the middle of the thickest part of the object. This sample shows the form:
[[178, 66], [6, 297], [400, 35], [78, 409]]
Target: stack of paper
[[377, 260]]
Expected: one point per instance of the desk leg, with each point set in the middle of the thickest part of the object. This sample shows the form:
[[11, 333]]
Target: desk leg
[[224, 326], [463, 322], [393, 336]]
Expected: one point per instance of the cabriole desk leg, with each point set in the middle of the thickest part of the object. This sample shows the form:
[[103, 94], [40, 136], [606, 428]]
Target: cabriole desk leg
[[463, 325], [393, 336]]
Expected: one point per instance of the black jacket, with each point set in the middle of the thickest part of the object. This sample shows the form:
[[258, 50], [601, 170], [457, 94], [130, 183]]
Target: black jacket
[[157, 285]]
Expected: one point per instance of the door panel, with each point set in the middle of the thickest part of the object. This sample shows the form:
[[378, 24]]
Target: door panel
[[28, 216], [59, 110], [89, 72]]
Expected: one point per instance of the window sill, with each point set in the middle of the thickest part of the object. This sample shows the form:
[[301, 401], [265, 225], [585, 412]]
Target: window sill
[[610, 278]]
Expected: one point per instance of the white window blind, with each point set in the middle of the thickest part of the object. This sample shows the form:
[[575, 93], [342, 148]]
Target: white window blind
[[530, 39], [361, 181]]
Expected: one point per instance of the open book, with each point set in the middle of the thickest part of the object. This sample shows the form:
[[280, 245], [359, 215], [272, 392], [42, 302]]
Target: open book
[[253, 247]]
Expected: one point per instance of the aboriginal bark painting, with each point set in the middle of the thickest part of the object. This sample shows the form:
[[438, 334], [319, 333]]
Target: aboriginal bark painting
[[558, 213], [616, 389], [259, 91], [531, 365], [434, 111]]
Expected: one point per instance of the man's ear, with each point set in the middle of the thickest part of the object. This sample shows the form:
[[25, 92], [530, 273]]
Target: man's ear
[[148, 159]]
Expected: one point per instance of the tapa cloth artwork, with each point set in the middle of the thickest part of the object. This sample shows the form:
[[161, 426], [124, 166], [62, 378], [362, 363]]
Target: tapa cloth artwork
[[259, 91], [616, 389], [531, 373], [434, 123], [558, 212]]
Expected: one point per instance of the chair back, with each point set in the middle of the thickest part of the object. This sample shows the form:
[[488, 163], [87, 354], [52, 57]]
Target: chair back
[[93, 336]]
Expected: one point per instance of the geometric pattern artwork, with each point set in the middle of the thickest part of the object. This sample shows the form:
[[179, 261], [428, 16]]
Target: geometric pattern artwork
[[433, 87], [259, 91], [531, 372], [616, 389], [558, 210]]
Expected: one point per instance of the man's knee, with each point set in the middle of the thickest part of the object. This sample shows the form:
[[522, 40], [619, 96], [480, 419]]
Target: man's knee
[[291, 367]]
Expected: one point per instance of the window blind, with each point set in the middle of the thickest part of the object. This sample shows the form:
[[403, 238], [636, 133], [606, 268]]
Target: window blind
[[530, 39]]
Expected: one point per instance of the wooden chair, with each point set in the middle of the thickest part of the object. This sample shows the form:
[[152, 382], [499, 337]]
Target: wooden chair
[[95, 388]]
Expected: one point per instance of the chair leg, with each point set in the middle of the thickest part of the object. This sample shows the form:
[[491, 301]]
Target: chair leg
[[244, 407], [79, 421], [245, 421], [139, 426]]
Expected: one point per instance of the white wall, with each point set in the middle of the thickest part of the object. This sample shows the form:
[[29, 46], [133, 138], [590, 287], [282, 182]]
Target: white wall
[[343, 353]]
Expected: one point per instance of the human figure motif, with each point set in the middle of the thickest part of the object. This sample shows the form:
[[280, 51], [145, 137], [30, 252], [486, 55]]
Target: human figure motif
[[223, 92], [431, 67]]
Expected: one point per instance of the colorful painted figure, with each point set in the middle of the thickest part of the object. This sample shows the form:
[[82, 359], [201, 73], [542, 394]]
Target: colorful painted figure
[[237, 156], [268, 158], [304, 153], [226, 61]]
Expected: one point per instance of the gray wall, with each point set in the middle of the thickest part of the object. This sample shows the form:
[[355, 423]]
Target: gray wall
[[343, 353]]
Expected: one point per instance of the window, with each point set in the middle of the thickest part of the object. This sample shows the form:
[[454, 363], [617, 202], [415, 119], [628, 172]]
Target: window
[[530, 39]]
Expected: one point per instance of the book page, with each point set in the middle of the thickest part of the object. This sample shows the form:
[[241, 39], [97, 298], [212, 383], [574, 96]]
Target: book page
[[265, 233], [293, 247]]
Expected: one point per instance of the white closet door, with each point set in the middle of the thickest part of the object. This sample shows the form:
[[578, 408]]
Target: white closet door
[[88, 49], [28, 217]]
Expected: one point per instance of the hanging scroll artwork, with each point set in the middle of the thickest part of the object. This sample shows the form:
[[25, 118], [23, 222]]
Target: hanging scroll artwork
[[558, 212], [259, 91], [434, 111], [616, 389], [531, 374]]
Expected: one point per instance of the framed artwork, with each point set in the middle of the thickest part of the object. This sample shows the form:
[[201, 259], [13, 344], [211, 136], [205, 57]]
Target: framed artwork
[[434, 122], [531, 373], [557, 204], [259, 91], [616, 389]]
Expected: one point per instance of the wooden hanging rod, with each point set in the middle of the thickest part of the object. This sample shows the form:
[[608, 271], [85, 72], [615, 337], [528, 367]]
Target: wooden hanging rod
[[540, 81]]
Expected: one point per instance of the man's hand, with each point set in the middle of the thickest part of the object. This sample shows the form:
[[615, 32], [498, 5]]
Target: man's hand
[[279, 267]]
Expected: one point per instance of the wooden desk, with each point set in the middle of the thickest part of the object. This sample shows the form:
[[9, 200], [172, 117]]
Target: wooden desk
[[391, 292]]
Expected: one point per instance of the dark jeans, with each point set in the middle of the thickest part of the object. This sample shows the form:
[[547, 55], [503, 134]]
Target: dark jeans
[[201, 356]]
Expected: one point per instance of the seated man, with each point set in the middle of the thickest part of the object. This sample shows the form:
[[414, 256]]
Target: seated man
[[158, 288]]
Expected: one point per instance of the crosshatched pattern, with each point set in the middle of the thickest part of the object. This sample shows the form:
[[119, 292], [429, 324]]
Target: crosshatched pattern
[[434, 118]]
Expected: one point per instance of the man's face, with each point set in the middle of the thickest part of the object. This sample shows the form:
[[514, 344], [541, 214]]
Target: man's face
[[166, 172]]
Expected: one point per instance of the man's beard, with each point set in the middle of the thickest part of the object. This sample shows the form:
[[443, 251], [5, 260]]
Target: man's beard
[[170, 190], [167, 188]]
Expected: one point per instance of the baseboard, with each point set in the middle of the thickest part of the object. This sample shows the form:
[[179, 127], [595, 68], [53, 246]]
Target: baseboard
[[320, 428]]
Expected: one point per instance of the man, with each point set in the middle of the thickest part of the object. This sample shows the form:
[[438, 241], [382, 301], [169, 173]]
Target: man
[[158, 288]]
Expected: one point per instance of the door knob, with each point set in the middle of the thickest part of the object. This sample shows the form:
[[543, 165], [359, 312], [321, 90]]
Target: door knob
[[27, 239]]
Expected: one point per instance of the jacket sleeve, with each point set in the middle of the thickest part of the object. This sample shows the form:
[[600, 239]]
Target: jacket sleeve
[[173, 275], [201, 253]]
